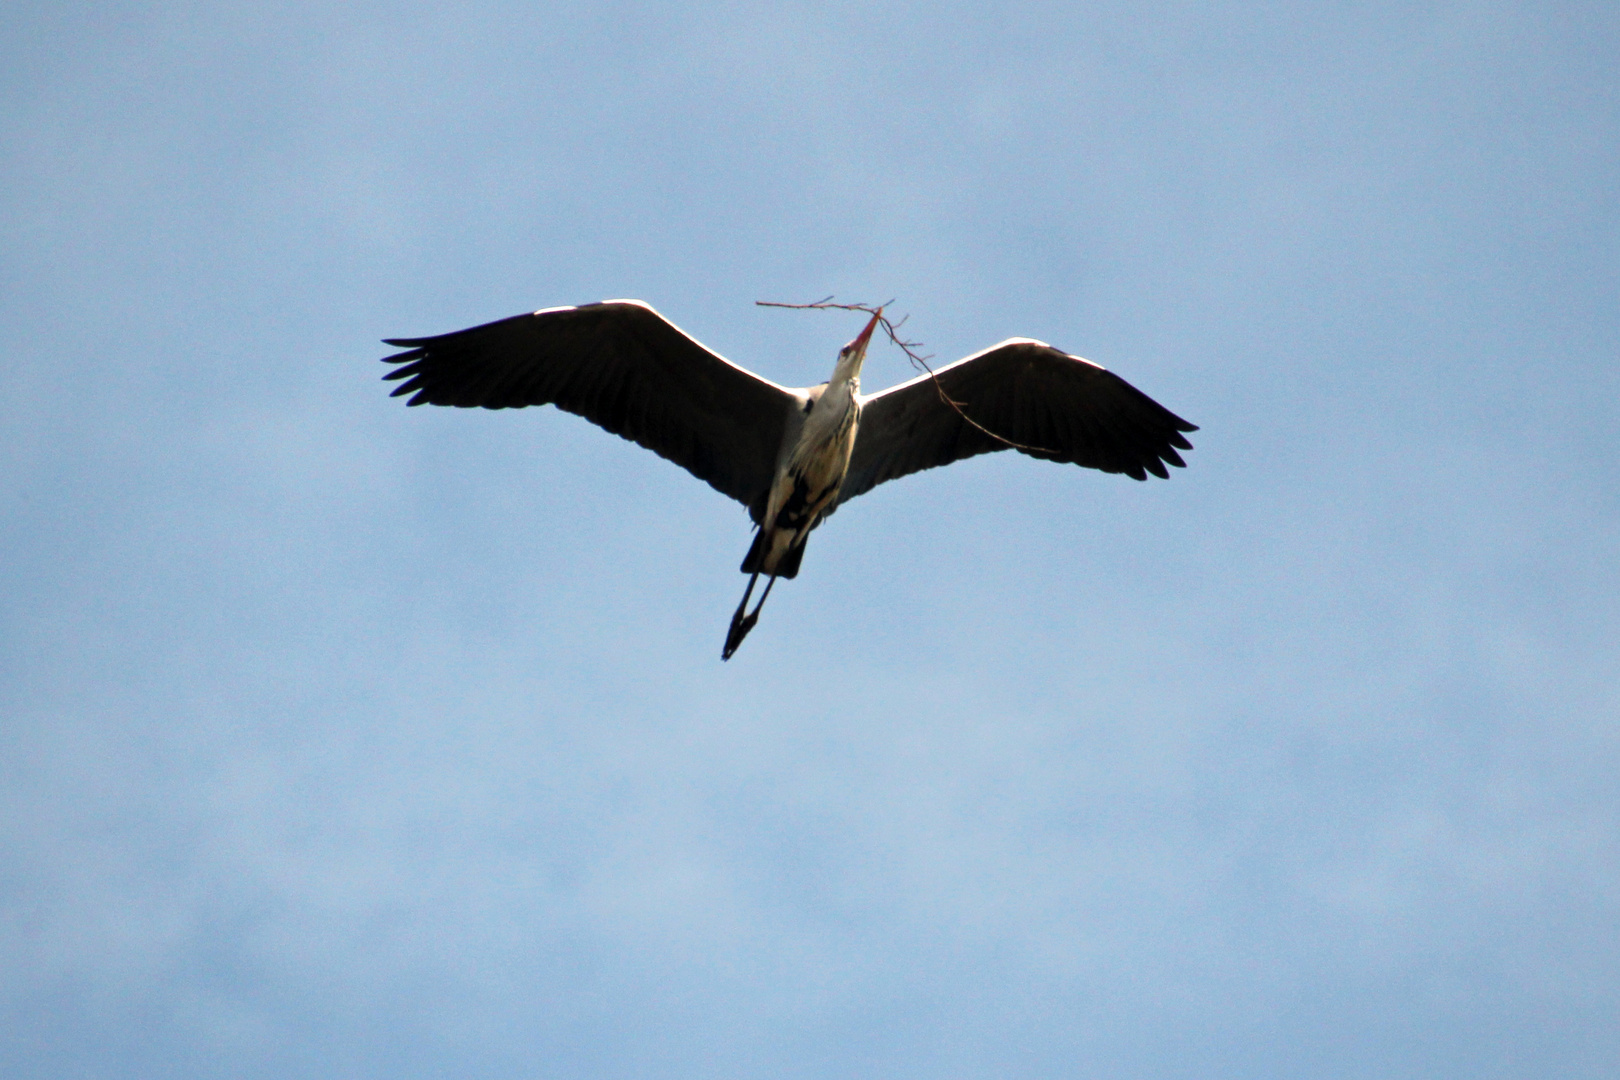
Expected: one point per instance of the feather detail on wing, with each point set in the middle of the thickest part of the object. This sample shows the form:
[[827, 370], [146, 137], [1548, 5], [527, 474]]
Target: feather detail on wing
[[1020, 394], [620, 365]]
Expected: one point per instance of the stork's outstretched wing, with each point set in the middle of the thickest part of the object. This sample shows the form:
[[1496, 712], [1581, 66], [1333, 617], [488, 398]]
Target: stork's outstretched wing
[[623, 366], [1053, 405]]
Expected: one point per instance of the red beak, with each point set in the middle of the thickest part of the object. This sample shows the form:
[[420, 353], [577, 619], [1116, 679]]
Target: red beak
[[865, 336]]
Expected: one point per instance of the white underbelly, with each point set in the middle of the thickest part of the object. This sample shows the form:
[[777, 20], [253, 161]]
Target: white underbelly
[[809, 484]]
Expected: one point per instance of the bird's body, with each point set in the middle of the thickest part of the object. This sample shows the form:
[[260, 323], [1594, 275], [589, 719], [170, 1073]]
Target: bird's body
[[791, 456], [814, 462]]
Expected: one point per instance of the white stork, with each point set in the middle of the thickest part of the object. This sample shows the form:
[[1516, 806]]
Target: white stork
[[790, 455]]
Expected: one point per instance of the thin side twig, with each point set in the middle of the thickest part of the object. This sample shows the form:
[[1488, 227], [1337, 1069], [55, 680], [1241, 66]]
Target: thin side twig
[[892, 329]]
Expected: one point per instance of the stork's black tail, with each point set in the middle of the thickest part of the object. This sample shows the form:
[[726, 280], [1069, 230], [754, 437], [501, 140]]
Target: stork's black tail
[[754, 561]]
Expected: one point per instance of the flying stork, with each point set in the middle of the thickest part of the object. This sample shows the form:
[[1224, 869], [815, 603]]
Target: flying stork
[[790, 455]]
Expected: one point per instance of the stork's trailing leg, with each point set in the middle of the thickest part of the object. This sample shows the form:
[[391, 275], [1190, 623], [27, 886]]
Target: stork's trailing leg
[[740, 625]]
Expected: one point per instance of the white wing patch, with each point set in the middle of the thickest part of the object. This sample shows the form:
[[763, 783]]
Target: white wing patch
[[660, 315], [975, 356]]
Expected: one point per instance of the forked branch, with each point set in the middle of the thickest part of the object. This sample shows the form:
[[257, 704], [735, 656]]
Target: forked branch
[[892, 329]]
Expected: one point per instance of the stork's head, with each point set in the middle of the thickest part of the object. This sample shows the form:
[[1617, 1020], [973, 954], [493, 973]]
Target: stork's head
[[851, 356]]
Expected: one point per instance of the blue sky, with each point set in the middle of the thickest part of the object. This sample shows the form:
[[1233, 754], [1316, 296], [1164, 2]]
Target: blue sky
[[341, 739]]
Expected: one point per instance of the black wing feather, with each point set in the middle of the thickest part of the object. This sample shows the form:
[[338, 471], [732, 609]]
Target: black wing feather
[[1052, 405], [620, 365]]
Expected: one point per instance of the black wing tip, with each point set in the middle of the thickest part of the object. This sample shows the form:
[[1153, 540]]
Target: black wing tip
[[402, 357], [1155, 465], [411, 372], [1177, 441], [1159, 461]]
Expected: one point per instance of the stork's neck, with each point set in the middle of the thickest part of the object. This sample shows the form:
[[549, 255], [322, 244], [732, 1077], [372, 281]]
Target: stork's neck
[[848, 370]]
